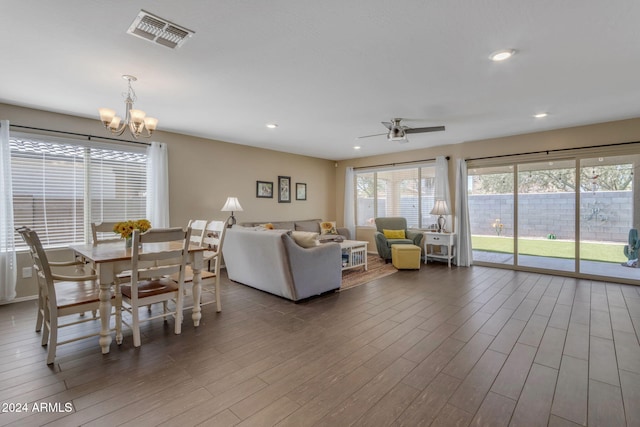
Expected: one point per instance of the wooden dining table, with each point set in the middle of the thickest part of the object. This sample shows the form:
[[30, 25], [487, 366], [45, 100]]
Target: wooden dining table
[[111, 259]]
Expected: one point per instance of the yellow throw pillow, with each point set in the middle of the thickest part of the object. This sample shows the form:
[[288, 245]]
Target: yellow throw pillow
[[328, 227], [394, 234]]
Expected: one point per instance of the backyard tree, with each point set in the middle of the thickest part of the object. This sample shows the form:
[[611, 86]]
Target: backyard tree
[[596, 178]]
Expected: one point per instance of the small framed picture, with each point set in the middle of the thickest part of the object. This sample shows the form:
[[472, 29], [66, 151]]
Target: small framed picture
[[264, 189], [301, 191], [284, 189]]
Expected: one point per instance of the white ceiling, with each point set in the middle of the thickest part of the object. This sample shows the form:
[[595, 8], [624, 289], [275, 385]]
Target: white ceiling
[[330, 71]]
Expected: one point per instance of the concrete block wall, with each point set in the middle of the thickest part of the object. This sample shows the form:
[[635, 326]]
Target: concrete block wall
[[604, 215]]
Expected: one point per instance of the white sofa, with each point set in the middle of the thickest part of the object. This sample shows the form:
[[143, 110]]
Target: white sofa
[[270, 260]]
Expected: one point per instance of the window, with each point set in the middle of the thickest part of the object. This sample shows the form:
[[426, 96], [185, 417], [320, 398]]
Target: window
[[60, 186], [405, 191]]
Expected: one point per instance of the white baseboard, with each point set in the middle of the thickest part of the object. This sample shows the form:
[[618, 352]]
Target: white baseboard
[[21, 299]]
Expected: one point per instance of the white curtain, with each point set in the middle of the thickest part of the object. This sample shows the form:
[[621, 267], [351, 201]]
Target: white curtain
[[349, 202], [442, 186], [7, 245], [158, 185], [465, 253]]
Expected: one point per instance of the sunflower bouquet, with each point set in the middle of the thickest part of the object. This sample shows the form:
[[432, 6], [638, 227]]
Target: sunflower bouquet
[[125, 228]]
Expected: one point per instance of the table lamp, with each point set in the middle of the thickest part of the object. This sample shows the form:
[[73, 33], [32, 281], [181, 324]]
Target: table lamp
[[231, 205], [440, 208]]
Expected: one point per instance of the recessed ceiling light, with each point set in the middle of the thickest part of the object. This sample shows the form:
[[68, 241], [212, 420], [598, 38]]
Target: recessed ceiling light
[[501, 55], [357, 147], [540, 115], [272, 125]]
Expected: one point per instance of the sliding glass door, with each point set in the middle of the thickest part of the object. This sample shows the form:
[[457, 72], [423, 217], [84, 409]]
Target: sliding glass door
[[606, 216], [546, 215], [572, 215], [491, 211]]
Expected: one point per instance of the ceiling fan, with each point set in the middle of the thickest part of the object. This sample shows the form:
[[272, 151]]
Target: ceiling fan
[[398, 132]]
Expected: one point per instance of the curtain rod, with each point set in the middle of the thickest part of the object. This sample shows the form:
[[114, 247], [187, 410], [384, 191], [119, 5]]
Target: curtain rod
[[88, 136], [398, 163], [557, 150]]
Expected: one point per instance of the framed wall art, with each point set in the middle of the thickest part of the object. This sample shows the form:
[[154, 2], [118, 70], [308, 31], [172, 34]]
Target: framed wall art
[[284, 189], [301, 191], [264, 189]]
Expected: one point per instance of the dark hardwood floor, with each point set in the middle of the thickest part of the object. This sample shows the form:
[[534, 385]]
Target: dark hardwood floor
[[439, 347]]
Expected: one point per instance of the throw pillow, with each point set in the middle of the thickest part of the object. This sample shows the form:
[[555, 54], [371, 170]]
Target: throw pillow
[[328, 227], [394, 234], [305, 239]]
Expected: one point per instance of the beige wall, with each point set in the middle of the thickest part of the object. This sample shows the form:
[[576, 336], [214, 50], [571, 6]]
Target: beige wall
[[576, 137], [203, 173]]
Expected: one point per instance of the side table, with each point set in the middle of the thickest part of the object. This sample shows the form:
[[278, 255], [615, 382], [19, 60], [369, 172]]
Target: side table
[[443, 241]]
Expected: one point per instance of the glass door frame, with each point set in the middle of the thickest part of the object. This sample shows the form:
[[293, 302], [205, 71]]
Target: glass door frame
[[575, 155]]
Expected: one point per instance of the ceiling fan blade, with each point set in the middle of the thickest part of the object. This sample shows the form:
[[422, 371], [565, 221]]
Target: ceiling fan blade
[[427, 129], [369, 136], [387, 125]]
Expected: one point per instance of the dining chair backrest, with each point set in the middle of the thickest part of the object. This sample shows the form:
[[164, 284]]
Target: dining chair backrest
[[198, 227], [102, 232], [152, 258], [41, 265], [214, 238]]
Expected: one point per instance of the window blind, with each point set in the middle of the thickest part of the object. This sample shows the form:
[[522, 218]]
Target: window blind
[[59, 187]]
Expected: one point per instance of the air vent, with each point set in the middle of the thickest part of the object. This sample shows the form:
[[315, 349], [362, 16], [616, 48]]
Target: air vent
[[158, 30]]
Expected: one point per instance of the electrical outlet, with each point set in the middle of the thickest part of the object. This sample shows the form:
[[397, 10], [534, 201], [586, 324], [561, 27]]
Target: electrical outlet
[[27, 272]]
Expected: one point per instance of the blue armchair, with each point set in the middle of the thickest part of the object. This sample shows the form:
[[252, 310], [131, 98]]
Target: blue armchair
[[383, 244]]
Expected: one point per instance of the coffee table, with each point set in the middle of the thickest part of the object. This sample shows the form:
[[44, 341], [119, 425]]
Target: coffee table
[[354, 254]]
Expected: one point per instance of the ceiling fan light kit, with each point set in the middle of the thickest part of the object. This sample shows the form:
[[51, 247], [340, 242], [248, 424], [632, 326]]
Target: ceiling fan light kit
[[396, 132]]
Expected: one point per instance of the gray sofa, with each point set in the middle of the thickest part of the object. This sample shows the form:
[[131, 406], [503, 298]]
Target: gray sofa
[[270, 260], [312, 225]]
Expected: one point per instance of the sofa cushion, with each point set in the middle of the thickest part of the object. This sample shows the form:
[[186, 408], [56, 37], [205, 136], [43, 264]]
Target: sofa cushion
[[284, 225], [310, 225], [328, 227], [399, 242], [305, 239]]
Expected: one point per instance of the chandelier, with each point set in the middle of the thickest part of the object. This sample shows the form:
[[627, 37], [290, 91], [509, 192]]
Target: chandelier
[[135, 120]]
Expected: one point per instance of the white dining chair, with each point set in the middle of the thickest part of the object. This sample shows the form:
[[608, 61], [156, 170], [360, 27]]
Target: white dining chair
[[102, 232], [79, 270], [61, 296], [212, 240], [164, 253]]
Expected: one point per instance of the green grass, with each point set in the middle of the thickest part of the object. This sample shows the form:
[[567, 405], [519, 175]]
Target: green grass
[[605, 252]]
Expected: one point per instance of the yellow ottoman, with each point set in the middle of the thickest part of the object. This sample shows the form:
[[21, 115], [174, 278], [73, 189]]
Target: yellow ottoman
[[405, 257]]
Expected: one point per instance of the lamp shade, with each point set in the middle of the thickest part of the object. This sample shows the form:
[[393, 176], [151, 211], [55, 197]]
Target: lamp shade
[[232, 205], [440, 208]]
